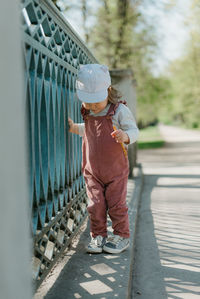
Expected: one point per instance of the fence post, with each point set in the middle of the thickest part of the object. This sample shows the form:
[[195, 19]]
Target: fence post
[[15, 255], [123, 80]]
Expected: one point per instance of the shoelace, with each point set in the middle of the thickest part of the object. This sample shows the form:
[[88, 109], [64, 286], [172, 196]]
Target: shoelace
[[97, 241], [115, 239]]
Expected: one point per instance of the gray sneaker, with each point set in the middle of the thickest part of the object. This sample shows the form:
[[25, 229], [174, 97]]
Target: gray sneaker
[[96, 244], [116, 244]]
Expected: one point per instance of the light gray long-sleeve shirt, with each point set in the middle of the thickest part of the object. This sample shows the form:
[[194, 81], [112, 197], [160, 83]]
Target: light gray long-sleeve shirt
[[123, 119]]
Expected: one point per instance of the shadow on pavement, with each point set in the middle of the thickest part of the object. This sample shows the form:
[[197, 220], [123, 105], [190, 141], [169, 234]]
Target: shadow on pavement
[[90, 275], [84, 275], [167, 255]]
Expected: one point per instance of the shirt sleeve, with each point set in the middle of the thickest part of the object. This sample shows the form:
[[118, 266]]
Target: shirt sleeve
[[81, 129], [127, 123]]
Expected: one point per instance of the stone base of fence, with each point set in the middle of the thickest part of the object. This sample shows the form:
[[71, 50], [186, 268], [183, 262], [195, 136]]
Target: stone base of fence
[[123, 80]]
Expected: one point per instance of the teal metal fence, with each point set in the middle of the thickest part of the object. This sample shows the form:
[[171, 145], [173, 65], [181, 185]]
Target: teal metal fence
[[52, 55]]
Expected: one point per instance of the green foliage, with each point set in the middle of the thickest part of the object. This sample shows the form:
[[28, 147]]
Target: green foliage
[[112, 37], [150, 138], [122, 38], [185, 76], [150, 144]]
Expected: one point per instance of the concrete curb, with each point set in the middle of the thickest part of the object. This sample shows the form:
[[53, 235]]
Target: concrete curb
[[133, 211], [81, 275]]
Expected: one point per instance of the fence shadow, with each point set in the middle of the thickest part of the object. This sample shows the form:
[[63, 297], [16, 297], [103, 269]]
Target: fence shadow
[[83, 275], [90, 275]]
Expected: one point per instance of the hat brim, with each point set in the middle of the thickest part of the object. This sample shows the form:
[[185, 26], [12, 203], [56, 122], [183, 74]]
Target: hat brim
[[92, 97]]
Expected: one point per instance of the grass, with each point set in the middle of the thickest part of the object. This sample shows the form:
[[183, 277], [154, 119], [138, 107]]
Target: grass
[[150, 138]]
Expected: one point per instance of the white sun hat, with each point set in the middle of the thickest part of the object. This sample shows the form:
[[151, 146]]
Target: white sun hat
[[92, 83]]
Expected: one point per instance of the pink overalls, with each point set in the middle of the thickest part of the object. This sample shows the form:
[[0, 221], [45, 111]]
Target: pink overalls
[[105, 169]]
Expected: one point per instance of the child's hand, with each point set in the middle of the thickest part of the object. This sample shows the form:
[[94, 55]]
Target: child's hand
[[71, 124], [120, 136], [73, 128]]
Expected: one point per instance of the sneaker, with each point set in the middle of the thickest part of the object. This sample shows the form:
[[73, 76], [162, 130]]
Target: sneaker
[[96, 244], [116, 244]]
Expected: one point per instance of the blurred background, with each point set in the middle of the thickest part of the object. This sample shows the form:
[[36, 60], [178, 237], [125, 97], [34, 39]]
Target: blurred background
[[158, 40]]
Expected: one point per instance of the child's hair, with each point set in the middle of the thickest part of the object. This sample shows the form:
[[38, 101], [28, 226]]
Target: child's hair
[[113, 95]]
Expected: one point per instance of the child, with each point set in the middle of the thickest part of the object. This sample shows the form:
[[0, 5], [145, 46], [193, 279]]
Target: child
[[105, 164]]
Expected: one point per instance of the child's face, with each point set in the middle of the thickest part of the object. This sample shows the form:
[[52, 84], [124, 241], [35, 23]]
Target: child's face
[[96, 107]]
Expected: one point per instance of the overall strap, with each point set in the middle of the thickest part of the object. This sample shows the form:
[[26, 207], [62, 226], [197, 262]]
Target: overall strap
[[113, 108], [84, 112]]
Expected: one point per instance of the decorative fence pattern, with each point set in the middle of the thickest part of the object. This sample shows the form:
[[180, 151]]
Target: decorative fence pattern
[[52, 55]]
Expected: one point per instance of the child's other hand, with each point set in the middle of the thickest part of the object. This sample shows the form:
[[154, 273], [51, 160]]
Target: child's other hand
[[120, 136], [71, 124], [73, 128]]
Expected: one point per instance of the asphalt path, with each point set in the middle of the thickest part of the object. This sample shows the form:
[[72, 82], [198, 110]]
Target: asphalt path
[[167, 250]]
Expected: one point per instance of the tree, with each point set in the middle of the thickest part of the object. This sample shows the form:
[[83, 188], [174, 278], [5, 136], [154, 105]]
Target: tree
[[185, 74], [122, 38], [85, 8]]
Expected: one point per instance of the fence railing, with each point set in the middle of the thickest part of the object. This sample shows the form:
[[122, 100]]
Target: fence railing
[[52, 55]]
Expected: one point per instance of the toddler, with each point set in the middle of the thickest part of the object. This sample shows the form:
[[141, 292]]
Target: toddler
[[108, 128]]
